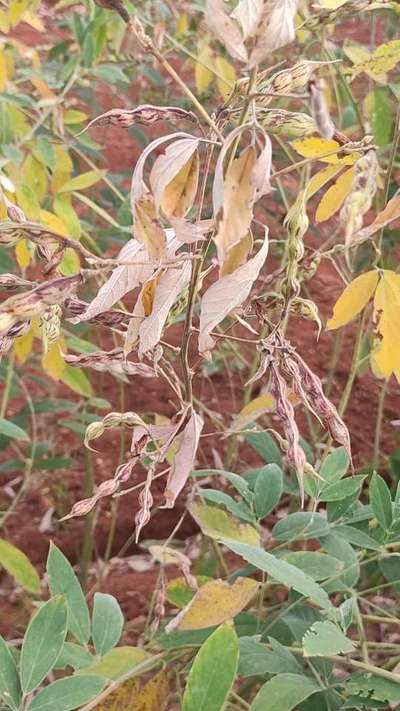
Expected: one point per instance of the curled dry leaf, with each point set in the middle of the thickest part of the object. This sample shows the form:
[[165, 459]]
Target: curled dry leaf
[[174, 177], [144, 115], [189, 232], [147, 229], [248, 13], [110, 362], [123, 279], [215, 602], [184, 458], [148, 329], [225, 29], [226, 294], [276, 29]]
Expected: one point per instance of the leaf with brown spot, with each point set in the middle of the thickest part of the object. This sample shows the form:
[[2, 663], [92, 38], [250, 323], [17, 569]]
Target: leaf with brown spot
[[147, 229], [174, 177]]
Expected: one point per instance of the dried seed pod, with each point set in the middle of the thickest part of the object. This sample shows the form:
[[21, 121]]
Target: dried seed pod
[[296, 223], [110, 362], [7, 339], [110, 318], [129, 420], [319, 111], [116, 5], [288, 123], [146, 502], [144, 115], [349, 8], [13, 281], [287, 80], [284, 410], [306, 308]]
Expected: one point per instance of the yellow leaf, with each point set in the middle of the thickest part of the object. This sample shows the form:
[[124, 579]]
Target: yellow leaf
[[83, 181], [335, 196], [359, 55], [23, 253], [23, 346], [319, 148], [34, 175], [52, 362], [72, 116], [203, 75], [4, 22], [237, 207], [179, 194], [63, 209], [320, 179], [3, 71], [182, 24], [16, 9], [153, 696], [18, 122], [252, 411], [215, 603], [385, 357], [353, 299], [44, 90], [383, 59], [28, 202], [218, 524], [237, 255], [147, 295], [62, 168], [53, 222], [226, 78]]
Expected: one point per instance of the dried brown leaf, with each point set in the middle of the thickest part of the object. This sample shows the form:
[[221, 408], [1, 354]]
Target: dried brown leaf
[[184, 458]]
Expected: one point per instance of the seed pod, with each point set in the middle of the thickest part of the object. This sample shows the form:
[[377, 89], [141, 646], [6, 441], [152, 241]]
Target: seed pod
[[13, 281], [319, 110], [110, 362], [306, 308], [289, 123], [51, 325], [284, 410], [326, 16], [296, 222], [144, 115], [7, 339], [116, 5]]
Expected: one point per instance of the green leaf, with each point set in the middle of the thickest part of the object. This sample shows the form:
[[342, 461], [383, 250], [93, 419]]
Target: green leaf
[[341, 489], [381, 501], [356, 537], [73, 655], [390, 568], [76, 379], [266, 447], [67, 694], [107, 623], [381, 112], [255, 658], [326, 638], [8, 429], [110, 73], [83, 181], [284, 692], [236, 508], [339, 548], [267, 489], [10, 687], [116, 662], [301, 526], [318, 566], [281, 571], [19, 566], [43, 642], [219, 524], [237, 481], [63, 581], [335, 465], [213, 672], [375, 686]]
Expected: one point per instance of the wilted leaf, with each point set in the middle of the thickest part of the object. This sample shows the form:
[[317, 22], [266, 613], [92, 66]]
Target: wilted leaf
[[180, 594], [214, 603], [383, 59], [219, 524], [174, 177], [225, 29], [226, 294], [184, 458], [226, 76], [153, 696], [276, 29], [335, 196], [52, 361], [248, 13], [169, 286], [353, 299], [146, 227], [203, 75], [326, 638]]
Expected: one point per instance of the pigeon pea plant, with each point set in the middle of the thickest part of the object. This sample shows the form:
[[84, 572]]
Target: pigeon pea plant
[[196, 256]]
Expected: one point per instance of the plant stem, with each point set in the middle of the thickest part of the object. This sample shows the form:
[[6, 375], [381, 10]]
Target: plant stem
[[344, 400], [87, 543], [7, 385], [379, 421]]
